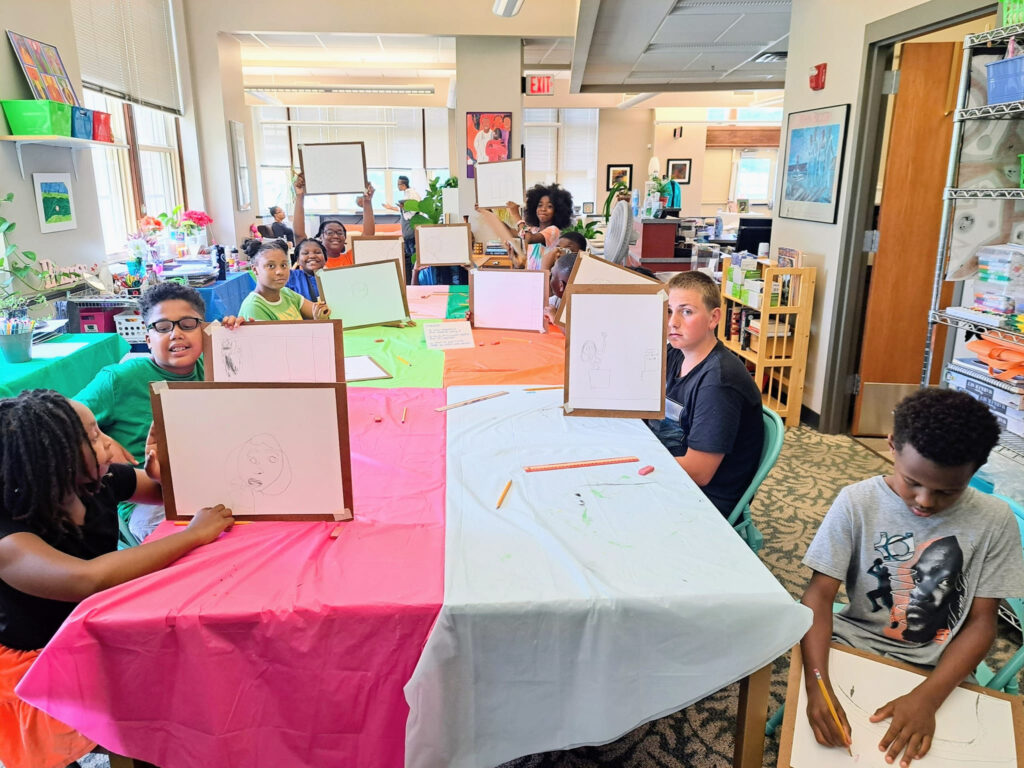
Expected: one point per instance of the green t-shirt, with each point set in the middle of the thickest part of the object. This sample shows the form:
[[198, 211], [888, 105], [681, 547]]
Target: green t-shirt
[[119, 397], [288, 307]]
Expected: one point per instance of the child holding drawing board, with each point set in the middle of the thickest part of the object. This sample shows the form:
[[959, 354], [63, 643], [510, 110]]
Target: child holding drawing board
[[272, 299], [58, 545], [925, 561], [713, 423], [548, 211], [332, 233]]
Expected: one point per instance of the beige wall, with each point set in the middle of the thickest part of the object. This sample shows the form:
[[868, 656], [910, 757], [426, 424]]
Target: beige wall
[[690, 145], [50, 22], [623, 136]]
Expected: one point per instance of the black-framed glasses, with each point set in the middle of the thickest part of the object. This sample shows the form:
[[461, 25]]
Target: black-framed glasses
[[166, 326]]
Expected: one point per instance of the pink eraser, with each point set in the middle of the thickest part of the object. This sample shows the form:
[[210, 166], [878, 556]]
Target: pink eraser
[[645, 470]]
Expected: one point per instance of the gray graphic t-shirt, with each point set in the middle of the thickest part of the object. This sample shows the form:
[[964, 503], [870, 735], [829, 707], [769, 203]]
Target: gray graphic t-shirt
[[911, 580]]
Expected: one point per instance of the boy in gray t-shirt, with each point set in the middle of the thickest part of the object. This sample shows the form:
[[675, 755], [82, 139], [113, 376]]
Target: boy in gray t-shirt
[[925, 561]]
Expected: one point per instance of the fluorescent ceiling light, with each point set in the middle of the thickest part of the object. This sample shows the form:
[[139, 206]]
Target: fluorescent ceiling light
[[507, 7], [427, 90]]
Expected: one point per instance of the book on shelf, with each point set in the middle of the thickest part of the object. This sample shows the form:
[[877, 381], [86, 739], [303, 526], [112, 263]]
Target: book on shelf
[[789, 257], [772, 328]]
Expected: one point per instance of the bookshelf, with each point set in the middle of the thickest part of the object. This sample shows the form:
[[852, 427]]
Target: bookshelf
[[770, 331]]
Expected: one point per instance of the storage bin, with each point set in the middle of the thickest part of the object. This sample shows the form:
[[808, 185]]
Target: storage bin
[[38, 117], [1006, 80], [130, 326], [81, 123], [101, 127], [98, 320]]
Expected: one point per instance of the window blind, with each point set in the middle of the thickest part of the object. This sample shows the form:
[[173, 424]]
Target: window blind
[[126, 49]]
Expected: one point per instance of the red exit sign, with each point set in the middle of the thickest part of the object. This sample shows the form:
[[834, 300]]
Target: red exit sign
[[539, 85]]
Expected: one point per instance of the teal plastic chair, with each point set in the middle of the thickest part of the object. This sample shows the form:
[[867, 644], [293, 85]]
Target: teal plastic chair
[[739, 518]]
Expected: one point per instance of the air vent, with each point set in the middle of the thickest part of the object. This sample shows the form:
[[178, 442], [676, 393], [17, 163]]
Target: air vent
[[772, 57]]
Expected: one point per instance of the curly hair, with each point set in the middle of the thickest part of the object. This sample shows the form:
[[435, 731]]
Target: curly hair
[[41, 461], [170, 292], [945, 426], [560, 198]]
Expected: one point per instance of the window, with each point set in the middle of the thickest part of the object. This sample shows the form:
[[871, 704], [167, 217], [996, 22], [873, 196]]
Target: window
[[753, 175], [561, 146]]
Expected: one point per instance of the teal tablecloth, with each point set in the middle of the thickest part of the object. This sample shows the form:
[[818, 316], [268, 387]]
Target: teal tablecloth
[[67, 374]]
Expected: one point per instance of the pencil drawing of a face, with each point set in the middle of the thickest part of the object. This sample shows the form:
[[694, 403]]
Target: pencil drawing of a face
[[263, 466]]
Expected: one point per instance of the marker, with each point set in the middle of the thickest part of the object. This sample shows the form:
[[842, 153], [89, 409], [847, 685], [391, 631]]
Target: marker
[[404, 411], [403, 360], [503, 495], [832, 709]]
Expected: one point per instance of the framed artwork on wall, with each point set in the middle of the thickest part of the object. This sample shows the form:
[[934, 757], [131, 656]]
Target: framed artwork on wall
[[44, 69], [488, 135], [815, 140], [54, 202], [622, 172], [679, 170]]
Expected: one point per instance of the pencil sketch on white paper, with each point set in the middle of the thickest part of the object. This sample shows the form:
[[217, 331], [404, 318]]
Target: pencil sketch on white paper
[[286, 352], [259, 468]]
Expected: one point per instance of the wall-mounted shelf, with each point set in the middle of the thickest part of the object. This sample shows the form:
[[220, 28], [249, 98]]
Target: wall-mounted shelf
[[1012, 193], [991, 111], [66, 142]]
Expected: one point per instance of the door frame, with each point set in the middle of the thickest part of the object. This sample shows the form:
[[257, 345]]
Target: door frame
[[880, 38]]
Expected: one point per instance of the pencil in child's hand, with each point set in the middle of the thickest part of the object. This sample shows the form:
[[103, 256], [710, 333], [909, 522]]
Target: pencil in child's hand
[[504, 493], [832, 709]]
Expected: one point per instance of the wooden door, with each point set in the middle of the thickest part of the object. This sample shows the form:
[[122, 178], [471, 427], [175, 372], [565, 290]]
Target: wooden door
[[899, 297]]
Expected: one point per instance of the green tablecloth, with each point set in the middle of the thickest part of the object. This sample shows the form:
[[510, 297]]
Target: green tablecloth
[[458, 301], [66, 374], [426, 368]]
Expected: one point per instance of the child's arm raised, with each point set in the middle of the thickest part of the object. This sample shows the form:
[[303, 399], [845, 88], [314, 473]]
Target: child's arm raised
[[819, 596], [30, 565], [913, 714]]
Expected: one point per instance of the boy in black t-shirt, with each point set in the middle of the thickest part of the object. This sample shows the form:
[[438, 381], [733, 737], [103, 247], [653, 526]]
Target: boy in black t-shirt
[[713, 423]]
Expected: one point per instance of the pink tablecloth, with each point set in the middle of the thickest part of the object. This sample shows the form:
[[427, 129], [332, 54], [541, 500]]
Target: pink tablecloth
[[275, 645], [427, 301]]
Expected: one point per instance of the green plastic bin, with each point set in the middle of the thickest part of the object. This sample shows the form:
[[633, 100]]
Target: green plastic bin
[[38, 117]]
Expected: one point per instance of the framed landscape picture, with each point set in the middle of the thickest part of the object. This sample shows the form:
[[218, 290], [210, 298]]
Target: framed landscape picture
[[815, 140], [54, 201], [623, 173], [679, 170]]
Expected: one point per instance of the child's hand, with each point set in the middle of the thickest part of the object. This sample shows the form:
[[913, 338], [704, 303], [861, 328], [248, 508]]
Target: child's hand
[[300, 185], [321, 311], [152, 465], [822, 723], [911, 729], [211, 522], [231, 322]]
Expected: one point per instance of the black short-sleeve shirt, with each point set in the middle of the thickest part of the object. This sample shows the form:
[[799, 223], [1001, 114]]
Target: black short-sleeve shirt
[[282, 230], [27, 622], [719, 411]]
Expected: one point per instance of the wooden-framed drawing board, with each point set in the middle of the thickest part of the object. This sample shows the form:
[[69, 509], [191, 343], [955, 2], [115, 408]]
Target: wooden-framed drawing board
[[335, 168], [593, 270], [615, 358], [364, 294], [974, 726], [298, 351], [441, 245], [279, 470], [499, 182], [508, 299], [371, 249]]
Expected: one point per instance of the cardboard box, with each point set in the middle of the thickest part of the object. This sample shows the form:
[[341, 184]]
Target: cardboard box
[[777, 346], [984, 391]]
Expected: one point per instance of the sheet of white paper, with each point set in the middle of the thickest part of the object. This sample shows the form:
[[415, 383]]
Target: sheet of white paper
[[443, 244], [450, 201], [298, 352], [615, 351], [364, 294], [55, 349], [499, 183], [363, 368], [256, 466], [970, 728], [593, 270], [366, 250], [450, 335], [512, 299], [334, 168]]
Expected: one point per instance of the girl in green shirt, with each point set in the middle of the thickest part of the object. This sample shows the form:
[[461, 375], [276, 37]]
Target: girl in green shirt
[[272, 300]]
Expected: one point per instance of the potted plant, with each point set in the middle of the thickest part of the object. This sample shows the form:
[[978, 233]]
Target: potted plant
[[589, 229], [617, 188], [429, 209]]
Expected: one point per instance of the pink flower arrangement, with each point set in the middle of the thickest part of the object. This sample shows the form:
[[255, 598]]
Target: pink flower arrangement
[[193, 221]]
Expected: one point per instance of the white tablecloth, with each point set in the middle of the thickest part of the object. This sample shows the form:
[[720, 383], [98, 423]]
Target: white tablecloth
[[594, 600]]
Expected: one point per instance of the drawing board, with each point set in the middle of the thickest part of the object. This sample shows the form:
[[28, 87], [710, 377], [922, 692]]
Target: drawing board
[[277, 351], [974, 726], [443, 244], [593, 270], [508, 299], [615, 340], [364, 368], [500, 182], [263, 469], [364, 294], [368, 250], [334, 169]]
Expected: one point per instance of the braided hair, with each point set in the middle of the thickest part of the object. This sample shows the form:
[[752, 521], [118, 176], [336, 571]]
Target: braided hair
[[42, 461]]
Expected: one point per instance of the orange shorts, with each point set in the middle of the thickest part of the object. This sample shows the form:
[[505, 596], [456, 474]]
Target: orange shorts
[[30, 738]]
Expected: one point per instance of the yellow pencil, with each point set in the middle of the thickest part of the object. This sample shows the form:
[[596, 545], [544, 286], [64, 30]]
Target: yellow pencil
[[503, 495], [541, 389], [403, 360], [404, 411], [832, 709]]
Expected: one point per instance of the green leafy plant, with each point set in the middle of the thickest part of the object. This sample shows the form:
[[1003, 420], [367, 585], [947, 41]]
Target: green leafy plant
[[589, 229], [20, 275], [429, 209], [617, 187], [664, 186]]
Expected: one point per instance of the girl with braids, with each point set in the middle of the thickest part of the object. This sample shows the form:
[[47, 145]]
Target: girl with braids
[[548, 212], [273, 299], [58, 545], [332, 233]]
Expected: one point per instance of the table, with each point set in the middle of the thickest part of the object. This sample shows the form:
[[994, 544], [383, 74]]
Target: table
[[225, 297], [68, 374]]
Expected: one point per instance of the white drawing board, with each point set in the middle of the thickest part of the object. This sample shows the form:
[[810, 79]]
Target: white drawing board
[[971, 728], [615, 351], [511, 299], [364, 294], [260, 468], [369, 250], [593, 270], [334, 169], [443, 244], [291, 351], [364, 368], [499, 183]]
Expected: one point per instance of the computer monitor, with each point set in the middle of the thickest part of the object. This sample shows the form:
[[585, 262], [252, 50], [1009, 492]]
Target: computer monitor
[[665, 213], [752, 231]]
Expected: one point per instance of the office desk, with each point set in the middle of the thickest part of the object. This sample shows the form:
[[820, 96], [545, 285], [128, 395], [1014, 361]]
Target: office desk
[[68, 374]]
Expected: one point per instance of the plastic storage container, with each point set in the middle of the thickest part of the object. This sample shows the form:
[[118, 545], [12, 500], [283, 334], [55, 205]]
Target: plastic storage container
[[38, 117], [101, 127], [98, 320], [1006, 80], [81, 123], [130, 326]]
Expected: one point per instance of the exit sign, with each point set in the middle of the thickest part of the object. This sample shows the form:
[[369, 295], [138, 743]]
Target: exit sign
[[539, 85]]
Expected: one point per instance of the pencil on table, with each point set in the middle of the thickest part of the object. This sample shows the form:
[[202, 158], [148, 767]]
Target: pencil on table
[[832, 709], [404, 411], [504, 493], [403, 360]]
